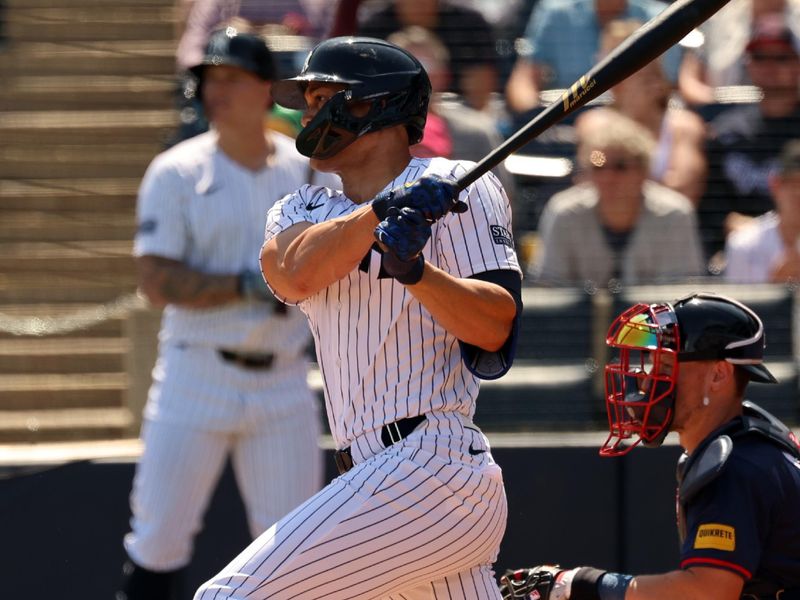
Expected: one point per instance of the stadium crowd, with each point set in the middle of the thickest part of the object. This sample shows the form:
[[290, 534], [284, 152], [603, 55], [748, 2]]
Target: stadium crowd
[[714, 126]]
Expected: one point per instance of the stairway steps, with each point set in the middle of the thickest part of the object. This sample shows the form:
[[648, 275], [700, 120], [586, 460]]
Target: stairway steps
[[35, 226], [99, 287], [87, 92], [66, 256], [42, 391], [98, 127], [70, 194], [21, 4], [74, 319], [76, 160], [62, 355], [90, 58], [33, 426], [88, 101], [90, 23]]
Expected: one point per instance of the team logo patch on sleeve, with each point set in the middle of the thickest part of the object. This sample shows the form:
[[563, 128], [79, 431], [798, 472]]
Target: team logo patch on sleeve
[[716, 537], [147, 226], [501, 235]]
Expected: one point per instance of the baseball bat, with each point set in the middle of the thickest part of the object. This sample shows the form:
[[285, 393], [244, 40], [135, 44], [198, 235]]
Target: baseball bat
[[648, 42]]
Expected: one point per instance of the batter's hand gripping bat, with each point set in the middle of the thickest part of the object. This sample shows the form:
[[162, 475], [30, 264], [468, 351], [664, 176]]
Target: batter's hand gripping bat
[[645, 44]]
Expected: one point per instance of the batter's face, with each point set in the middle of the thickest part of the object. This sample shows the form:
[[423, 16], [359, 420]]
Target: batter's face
[[233, 96], [317, 94]]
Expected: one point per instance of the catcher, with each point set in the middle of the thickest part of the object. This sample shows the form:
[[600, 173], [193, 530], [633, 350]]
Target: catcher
[[684, 367]]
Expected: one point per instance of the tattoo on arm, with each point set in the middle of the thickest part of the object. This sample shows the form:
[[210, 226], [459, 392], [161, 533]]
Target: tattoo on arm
[[166, 281]]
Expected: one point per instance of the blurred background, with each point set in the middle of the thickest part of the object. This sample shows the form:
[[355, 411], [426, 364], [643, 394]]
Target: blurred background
[[93, 89]]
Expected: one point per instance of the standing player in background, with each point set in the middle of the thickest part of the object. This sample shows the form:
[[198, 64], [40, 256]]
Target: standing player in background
[[231, 373], [403, 334], [684, 367]]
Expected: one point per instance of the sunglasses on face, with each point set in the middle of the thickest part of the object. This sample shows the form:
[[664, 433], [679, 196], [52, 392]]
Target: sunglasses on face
[[775, 58], [614, 165]]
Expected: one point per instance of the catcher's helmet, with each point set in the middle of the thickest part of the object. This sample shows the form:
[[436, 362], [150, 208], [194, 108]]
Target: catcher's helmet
[[244, 50], [390, 79], [640, 394]]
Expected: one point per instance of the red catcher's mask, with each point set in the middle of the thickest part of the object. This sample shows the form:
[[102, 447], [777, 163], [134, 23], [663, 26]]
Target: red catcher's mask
[[640, 390]]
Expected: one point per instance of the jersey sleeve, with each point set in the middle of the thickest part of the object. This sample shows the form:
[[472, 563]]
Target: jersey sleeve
[[292, 209], [728, 522], [480, 239], [162, 226]]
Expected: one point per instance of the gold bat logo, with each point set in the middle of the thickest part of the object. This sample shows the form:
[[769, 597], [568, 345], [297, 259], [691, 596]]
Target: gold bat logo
[[578, 90]]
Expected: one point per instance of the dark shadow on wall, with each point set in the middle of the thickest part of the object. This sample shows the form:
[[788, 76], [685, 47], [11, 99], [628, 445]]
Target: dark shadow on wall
[[62, 527]]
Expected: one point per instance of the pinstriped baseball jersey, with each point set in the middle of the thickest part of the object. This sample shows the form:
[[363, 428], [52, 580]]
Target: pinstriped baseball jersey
[[201, 208], [381, 354], [193, 197]]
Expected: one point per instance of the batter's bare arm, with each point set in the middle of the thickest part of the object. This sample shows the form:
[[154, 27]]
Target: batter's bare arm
[[307, 258], [485, 310], [165, 281]]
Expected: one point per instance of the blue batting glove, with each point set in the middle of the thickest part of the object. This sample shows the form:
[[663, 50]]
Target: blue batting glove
[[433, 196], [403, 234]]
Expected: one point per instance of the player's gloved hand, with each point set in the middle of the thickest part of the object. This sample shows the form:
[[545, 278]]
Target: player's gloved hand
[[251, 286], [403, 234], [529, 584], [432, 195]]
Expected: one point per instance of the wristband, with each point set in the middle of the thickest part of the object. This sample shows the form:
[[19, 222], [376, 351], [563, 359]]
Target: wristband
[[407, 272], [584, 584], [589, 583], [612, 586]]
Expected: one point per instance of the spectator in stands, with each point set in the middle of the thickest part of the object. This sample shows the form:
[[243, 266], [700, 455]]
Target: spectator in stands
[[768, 248], [452, 129], [679, 160], [614, 225], [562, 42], [465, 33], [720, 60], [204, 16], [746, 140]]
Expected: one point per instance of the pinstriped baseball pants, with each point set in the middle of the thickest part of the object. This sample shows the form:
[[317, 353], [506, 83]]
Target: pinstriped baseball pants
[[422, 519], [202, 410]]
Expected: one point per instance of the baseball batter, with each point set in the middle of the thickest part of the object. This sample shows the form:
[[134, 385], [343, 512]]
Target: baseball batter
[[230, 380], [404, 329]]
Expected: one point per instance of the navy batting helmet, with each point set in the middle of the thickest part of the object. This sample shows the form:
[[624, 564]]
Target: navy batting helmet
[[640, 394], [244, 50], [393, 82]]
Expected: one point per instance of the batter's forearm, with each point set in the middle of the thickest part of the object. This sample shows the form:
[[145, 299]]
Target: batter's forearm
[[476, 312], [165, 281], [302, 262]]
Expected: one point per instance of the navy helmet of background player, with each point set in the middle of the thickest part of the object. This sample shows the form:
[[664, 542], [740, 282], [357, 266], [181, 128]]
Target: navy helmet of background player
[[404, 329], [684, 367]]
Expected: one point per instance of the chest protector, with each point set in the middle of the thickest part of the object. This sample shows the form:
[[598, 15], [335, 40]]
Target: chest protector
[[705, 465]]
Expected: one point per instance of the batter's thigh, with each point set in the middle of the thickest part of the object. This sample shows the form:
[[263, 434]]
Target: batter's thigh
[[394, 524], [279, 466], [175, 476]]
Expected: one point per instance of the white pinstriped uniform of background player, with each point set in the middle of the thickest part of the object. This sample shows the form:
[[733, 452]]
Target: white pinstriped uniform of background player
[[231, 375], [421, 511]]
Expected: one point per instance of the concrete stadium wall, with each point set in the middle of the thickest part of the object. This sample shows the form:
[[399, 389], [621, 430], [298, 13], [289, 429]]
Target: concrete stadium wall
[[61, 527]]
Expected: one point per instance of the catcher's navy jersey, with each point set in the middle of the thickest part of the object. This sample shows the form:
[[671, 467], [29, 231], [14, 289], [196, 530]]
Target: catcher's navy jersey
[[748, 519], [381, 354]]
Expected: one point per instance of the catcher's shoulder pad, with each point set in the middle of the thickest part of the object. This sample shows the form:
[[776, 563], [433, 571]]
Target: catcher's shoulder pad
[[697, 471], [700, 470]]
